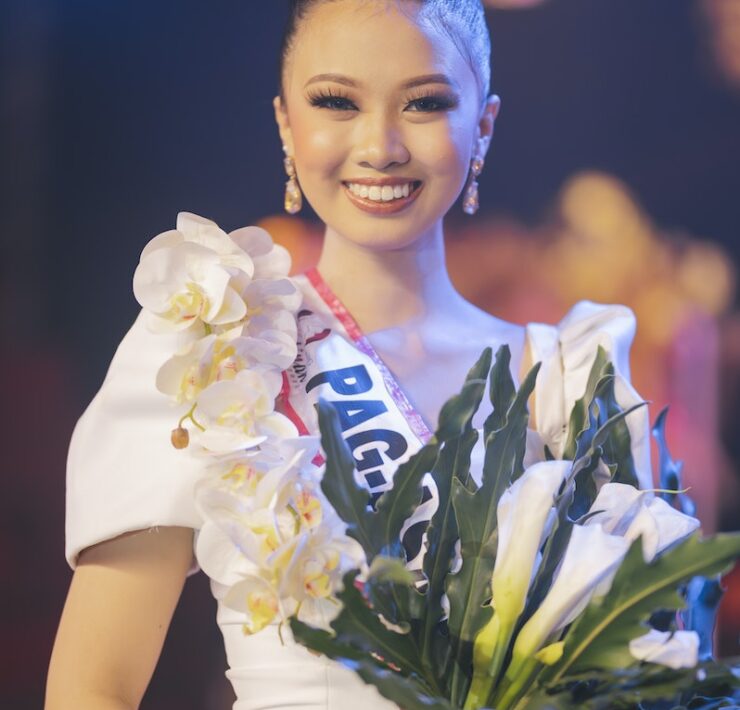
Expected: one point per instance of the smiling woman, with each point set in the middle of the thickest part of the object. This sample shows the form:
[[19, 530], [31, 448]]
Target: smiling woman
[[417, 121], [385, 117]]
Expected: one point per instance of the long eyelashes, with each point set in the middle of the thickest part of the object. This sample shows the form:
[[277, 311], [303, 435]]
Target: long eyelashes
[[423, 103]]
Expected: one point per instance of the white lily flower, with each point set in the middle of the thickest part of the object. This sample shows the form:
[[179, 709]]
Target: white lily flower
[[625, 510], [591, 556], [239, 413], [525, 515], [678, 649], [523, 512]]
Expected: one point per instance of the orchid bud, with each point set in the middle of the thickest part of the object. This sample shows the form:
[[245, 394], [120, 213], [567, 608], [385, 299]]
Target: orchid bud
[[180, 438]]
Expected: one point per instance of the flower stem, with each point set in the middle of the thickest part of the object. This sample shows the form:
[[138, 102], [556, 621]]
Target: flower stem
[[508, 695], [189, 415]]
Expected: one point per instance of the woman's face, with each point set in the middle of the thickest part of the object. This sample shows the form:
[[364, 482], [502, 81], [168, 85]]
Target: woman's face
[[382, 117]]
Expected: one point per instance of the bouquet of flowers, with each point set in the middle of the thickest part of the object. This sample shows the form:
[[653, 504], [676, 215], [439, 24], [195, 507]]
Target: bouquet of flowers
[[539, 585], [550, 586]]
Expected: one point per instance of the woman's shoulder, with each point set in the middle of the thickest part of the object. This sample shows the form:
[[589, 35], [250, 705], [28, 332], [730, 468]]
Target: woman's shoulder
[[122, 472]]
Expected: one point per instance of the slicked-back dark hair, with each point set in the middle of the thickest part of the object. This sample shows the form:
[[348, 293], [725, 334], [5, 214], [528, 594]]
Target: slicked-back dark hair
[[463, 21]]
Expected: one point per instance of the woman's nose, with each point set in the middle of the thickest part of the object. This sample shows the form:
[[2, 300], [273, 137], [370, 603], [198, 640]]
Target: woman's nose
[[379, 142]]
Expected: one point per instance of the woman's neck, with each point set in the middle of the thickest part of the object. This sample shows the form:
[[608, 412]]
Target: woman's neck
[[390, 288]]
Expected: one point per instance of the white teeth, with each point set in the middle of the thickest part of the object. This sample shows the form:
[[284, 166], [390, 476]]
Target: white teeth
[[378, 193], [386, 193]]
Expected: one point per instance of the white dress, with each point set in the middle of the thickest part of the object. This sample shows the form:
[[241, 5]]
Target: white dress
[[124, 475]]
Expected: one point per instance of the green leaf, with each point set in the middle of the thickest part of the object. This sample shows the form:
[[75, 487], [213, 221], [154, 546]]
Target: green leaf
[[592, 448], [669, 471], [378, 530], [475, 512], [502, 391], [597, 407], [406, 692], [707, 685], [338, 482], [457, 412], [600, 637], [580, 415], [408, 689], [453, 463], [359, 626], [396, 505]]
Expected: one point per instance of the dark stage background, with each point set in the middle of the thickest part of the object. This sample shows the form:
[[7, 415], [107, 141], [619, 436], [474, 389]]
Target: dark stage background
[[116, 115]]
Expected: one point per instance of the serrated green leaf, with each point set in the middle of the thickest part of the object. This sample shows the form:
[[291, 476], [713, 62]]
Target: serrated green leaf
[[502, 391], [348, 499], [453, 463], [359, 626], [475, 512], [456, 412], [593, 446], [600, 636], [579, 422], [395, 506], [709, 684], [406, 692]]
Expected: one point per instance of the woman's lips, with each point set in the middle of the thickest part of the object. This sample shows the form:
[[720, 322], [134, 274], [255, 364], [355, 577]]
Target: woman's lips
[[383, 208]]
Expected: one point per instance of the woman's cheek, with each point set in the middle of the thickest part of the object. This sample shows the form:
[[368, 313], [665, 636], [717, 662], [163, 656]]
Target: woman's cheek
[[321, 147]]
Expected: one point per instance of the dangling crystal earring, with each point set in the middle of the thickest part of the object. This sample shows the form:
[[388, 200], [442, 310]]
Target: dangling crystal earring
[[470, 201], [293, 197]]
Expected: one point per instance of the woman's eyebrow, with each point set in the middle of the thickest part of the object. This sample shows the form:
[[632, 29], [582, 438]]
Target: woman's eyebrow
[[411, 83]]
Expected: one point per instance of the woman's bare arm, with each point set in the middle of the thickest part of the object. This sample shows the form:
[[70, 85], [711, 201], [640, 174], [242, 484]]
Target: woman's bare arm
[[118, 609]]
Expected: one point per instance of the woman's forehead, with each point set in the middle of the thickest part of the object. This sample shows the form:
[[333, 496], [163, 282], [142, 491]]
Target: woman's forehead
[[372, 39]]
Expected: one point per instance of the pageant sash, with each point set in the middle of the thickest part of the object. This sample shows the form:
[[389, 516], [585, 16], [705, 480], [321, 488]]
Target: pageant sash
[[336, 361]]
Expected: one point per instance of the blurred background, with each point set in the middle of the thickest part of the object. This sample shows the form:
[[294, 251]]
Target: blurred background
[[614, 175]]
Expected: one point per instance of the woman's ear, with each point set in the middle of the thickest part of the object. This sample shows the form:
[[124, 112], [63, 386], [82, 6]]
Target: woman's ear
[[485, 125], [281, 118]]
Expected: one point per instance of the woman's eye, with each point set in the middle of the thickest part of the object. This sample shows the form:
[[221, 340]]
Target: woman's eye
[[429, 104], [334, 103]]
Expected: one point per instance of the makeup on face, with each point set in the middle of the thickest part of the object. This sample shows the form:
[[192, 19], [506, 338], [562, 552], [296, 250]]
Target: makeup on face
[[383, 113]]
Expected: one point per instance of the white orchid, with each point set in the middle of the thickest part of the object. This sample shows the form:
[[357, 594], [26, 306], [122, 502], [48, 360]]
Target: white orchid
[[677, 649], [199, 230], [239, 413], [318, 562], [625, 510], [183, 285], [270, 543], [271, 261], [257, 599], [217, 357], [244, 500]]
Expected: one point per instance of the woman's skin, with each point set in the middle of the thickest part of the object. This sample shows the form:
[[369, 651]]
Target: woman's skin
[[388, 270]]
